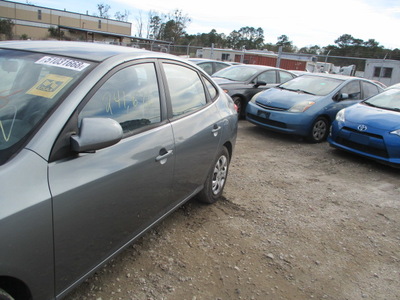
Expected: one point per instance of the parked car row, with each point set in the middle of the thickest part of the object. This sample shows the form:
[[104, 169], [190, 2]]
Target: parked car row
[[307, 104], [353, 114], [98, 143]]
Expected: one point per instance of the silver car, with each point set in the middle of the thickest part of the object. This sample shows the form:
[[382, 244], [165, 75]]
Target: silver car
[[97, 144]]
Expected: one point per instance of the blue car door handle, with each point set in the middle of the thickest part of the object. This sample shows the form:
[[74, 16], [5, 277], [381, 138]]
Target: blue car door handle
[[164, 154]]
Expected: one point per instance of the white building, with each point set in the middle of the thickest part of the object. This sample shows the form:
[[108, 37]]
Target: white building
[[384, 70], [229, 55]]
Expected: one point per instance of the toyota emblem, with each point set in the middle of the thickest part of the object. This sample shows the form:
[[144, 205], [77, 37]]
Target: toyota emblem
[[362, 127]]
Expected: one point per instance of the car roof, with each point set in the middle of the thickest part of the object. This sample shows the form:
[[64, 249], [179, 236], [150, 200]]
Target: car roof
[[83, 50], [259, 67], [394, 86], [339, 76], [208, 60]]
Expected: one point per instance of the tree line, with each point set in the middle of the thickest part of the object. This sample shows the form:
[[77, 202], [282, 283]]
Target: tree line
[[172, 27]]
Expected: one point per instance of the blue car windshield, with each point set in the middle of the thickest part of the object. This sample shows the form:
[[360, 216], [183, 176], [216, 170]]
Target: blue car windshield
[[31, 85], [237, 73], [315, 85], [389, 99]]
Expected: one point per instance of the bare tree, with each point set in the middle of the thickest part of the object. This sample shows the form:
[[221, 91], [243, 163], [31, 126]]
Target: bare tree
[[139, 24], [103, 10], [122, 16]]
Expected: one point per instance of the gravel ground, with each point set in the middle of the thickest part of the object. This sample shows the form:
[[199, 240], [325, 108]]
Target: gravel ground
[[297, 221]]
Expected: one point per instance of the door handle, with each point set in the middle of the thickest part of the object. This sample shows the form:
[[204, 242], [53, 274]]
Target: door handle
[[216, 129], [164, 154]]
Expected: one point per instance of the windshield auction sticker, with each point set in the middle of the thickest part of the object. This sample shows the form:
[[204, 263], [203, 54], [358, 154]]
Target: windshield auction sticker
[[61, 62], [49, 86]]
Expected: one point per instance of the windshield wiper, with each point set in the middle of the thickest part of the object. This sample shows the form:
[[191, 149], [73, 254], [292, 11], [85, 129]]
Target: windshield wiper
[[224, 78], [381, 107], [372, 105], [305, 92], [296, 90]]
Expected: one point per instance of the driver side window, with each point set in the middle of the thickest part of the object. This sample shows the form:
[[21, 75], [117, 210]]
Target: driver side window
[[353, 89], [130, 96], [268, 77]]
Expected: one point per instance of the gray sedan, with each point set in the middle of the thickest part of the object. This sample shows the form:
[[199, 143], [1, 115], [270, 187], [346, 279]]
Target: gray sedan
[[97, 144]]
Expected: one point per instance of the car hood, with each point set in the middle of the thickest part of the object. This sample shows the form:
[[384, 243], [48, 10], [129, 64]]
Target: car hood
[[283, 99], [372, 116]]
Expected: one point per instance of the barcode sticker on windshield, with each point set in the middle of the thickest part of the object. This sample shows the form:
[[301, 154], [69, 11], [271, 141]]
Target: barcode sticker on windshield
[[61, 62]]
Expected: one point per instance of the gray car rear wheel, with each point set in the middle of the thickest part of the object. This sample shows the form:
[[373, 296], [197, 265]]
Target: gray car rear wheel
[[216, 179]]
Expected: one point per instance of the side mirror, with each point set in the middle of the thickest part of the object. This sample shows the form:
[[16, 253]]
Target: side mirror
[[95, 134], [259, 83], [342, 96]]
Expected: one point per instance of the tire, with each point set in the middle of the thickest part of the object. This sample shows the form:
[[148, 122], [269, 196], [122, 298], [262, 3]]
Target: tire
[[5, 296], [319, 130], [239, 104], [216, 179]]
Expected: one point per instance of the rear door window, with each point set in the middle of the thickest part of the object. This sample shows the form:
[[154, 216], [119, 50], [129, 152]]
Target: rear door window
[[369, 89], [186, 89]]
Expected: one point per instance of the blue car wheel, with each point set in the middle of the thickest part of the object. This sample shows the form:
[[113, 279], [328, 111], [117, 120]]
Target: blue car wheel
[[319, 130]]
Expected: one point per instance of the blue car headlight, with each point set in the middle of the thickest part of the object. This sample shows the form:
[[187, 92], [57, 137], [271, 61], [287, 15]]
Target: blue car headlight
[[340, 116], [302, 106], [396, 132]]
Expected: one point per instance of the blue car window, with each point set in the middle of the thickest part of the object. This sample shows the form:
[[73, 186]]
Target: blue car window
[[369, 89], [131, 97], [389, 99], [353, 89], [185, 88]]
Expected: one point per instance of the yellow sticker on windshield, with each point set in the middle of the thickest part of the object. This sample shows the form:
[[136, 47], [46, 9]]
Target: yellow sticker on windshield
[[49, 86]]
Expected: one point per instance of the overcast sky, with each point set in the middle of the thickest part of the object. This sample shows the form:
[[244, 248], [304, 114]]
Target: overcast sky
[[306, 22]]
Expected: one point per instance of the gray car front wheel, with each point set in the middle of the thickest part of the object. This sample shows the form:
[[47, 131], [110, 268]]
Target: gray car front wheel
[[216, 179], [239, 104]]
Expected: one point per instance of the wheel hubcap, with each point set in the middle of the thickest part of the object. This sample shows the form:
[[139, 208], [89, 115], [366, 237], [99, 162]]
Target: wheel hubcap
[[219, 175], [319, 130]]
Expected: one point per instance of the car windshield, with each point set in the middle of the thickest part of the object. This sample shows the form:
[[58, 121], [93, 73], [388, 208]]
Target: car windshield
[[31, 84], [315, 85], [237, 73], [389, 99]]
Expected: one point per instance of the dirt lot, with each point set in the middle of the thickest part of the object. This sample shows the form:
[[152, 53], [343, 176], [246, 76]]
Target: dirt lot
[[298, 221]]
